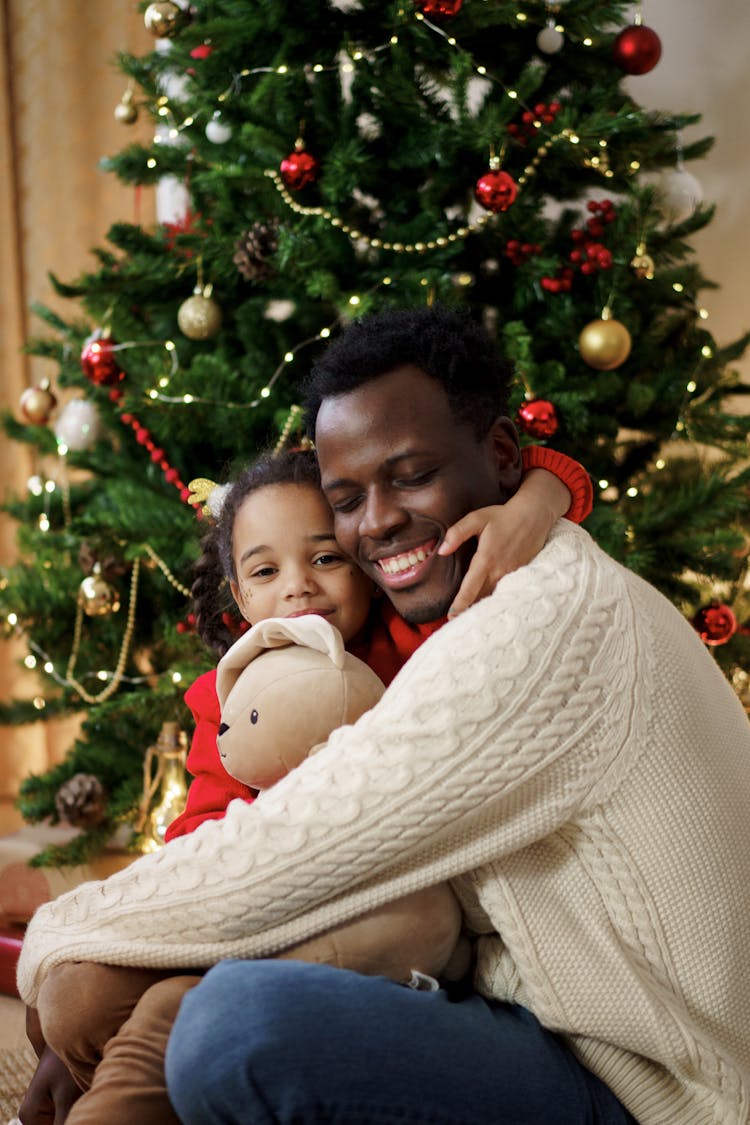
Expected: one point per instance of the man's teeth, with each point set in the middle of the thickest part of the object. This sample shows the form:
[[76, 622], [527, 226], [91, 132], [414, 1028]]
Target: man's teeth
[[398, 563]]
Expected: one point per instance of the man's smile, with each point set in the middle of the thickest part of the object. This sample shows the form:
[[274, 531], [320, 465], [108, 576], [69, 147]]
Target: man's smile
[[407, 566]]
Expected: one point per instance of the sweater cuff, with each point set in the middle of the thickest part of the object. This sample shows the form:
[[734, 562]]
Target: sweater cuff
[[570, 472]]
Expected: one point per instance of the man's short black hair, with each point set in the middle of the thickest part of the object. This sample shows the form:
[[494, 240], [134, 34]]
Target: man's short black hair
[[446, 344]]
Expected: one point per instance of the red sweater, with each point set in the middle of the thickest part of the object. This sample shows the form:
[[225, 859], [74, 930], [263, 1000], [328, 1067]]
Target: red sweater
[[386, 644]]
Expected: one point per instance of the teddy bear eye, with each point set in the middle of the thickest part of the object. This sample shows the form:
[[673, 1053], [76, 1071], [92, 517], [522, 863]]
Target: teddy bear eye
[[253, 716]]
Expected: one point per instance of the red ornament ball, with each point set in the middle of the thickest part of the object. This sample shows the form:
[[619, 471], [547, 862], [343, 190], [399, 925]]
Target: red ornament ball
[[496, 190], [538, 418], [299, 169], [637, 49], [440, 9], [715, 624], [98, 361]]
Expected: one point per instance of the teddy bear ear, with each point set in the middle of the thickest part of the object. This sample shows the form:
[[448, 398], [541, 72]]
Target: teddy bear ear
[[310, 631]]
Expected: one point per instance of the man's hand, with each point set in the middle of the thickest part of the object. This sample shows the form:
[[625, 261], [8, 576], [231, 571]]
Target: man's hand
[[51, 1093], [509, 535]]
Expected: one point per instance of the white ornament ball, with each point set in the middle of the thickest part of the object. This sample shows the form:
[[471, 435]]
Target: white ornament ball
[[78, 427], [550, 40], [217, 131], [679, 194]]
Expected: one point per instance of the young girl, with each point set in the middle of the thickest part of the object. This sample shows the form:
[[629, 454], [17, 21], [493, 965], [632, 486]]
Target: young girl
[[274, 543]]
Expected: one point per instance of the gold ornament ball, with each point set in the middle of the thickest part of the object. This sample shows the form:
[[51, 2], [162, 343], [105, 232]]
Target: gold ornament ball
[[37, 403], [604, 344], [126, 111], [199, 317], [642, 265], [163, 19], [96, 597]]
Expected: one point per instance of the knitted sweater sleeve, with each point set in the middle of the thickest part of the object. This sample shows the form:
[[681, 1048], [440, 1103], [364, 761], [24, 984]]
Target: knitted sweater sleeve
[[493, 733], [570, 472]]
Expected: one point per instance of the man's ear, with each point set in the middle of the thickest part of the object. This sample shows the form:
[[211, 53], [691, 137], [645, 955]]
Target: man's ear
[[507, 453]]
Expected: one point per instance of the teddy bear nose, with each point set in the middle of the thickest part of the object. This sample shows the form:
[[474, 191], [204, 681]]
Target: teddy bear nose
[[223, 728]]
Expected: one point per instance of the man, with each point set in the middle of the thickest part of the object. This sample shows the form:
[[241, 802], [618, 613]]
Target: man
[[565, 751]]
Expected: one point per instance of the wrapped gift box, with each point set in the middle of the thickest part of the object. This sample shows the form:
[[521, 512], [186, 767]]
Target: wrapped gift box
[[24, 888]]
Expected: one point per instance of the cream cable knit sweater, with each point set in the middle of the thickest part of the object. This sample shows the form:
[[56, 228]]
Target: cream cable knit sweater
[[570, 755]]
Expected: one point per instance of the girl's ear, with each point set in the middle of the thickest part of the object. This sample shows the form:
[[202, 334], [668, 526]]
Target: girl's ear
[[507, 454]]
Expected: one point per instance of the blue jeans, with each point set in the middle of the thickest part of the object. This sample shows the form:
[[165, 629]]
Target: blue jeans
[[292, 1043]]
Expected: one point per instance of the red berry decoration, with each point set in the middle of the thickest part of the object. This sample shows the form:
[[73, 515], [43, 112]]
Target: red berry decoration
[[538, 418], [496, 190], [637, 49], [715, 624], [98, 360], [299, 169], [440, 9]]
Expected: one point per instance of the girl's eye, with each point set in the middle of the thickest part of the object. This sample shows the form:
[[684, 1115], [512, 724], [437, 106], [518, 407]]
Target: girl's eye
[[253, 716], [328, 559], [263, 572]]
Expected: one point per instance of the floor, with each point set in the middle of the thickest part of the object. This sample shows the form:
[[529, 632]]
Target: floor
[[12, 1022]]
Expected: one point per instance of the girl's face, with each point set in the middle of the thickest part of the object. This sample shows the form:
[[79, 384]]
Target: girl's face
[[288, 562]]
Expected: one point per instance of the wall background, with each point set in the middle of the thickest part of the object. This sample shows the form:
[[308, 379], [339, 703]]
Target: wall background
[[703, 69], [58, 91]]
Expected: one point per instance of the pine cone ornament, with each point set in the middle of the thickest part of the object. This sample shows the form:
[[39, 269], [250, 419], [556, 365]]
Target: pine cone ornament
[[80, 801], [252, 250]]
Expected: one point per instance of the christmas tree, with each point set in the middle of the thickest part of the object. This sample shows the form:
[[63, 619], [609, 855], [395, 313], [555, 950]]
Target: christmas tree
[[313, 164]]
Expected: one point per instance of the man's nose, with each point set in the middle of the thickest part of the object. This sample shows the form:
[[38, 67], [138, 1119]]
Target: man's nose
[[381, 516]]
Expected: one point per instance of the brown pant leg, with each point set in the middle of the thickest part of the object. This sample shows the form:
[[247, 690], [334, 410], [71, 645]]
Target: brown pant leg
[[82, 1005], [129, 1086]]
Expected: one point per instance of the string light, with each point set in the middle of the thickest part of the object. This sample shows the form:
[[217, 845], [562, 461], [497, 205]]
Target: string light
[[323, 334], [116, 677]]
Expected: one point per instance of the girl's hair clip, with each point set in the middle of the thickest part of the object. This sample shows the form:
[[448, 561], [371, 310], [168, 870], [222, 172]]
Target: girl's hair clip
[[209, 495]]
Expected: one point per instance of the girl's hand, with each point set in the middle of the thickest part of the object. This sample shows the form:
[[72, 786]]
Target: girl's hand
[[509, 535], [51, 1093]]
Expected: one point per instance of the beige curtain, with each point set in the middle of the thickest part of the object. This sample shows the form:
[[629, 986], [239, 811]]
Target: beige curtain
[[58, 91]]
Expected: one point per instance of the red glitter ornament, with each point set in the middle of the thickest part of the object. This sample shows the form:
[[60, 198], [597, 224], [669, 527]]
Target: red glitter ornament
[[98, 360], [538, 418], [299, 169], [637, 49], [440, 9], [715, 624], [496, 190]]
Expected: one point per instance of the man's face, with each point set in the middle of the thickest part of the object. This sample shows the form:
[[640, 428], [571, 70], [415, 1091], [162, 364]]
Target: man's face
[[398, 470]]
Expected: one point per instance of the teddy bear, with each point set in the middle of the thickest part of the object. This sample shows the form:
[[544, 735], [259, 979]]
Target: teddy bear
[[283, 687]]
